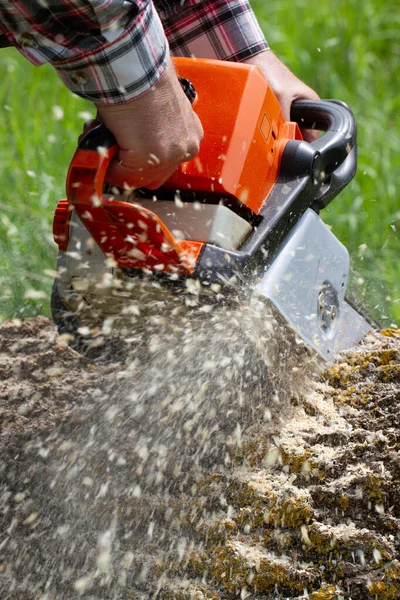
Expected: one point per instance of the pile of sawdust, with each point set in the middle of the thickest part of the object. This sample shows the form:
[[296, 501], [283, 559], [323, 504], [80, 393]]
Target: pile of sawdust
[[122, 481]]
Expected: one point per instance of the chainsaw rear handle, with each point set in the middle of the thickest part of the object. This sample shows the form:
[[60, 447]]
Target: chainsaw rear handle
[[331, 160], [98, 137]]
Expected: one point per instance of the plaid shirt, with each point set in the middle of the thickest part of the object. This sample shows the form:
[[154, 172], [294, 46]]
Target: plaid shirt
[[110, 51]]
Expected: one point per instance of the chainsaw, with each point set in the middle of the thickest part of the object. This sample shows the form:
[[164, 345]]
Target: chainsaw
[[244, 212]]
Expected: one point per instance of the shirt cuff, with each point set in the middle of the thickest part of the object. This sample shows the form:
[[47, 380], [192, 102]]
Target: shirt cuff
[[218, 29], [125, 67]]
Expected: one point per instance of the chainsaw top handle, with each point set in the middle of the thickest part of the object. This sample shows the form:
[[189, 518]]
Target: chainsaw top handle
[[332, 158]]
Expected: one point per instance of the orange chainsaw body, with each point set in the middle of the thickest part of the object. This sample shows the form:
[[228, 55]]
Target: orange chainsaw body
[[245, 134]]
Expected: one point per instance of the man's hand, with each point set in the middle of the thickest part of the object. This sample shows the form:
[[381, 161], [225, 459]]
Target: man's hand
[[155, 134], [285, 85]]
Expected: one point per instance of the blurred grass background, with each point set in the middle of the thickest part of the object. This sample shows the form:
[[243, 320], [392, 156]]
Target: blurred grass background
[[40, 121], [351, 50], [343, 49]]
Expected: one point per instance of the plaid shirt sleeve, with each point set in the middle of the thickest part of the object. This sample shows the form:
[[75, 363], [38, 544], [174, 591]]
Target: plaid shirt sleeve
[[111, 51], [107, 51], [219, 29]]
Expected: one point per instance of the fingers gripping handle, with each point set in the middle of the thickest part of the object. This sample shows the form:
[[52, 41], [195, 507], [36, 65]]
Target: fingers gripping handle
[[102, 141], [115, 225], [101, 137]]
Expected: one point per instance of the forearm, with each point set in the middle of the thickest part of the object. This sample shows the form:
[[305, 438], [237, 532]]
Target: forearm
[[111, 52], [106, 52], [220, 29]]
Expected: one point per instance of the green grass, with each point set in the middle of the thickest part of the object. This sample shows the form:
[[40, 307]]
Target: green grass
[[351, 50], [40, 121], [343, 49]]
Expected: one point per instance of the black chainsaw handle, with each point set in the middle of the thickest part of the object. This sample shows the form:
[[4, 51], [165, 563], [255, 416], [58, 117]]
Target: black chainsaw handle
[[98, 137], [331, 116], [331, 160]]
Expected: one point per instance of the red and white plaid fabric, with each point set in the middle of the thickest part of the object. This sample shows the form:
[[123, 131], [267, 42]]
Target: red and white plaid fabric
[[222, 29], [111, 51]]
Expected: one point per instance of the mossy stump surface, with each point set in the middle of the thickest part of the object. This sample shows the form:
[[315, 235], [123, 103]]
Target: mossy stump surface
[[306, 506]]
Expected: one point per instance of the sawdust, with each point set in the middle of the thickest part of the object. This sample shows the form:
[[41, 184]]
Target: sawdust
[[208, 468]]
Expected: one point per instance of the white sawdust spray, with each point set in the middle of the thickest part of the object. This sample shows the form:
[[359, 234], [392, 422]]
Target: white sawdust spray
[[195, 380]]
